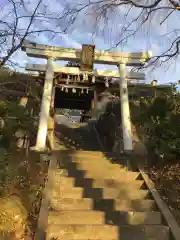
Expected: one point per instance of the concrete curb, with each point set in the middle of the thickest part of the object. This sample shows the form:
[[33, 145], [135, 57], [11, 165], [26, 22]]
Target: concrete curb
[[167, 215], [43, 214]]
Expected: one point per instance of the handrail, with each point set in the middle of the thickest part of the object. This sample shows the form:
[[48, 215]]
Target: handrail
[[98, 137]]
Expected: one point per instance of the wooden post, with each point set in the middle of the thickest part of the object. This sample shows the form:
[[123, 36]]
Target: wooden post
[[125, 112], [45, 107]]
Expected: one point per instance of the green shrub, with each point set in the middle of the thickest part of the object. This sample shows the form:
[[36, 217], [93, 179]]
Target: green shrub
[[158, 120], [157, 123], [22, 120]]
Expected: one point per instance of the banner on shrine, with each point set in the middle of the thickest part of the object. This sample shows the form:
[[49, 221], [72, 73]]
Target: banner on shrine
[[87, 57]]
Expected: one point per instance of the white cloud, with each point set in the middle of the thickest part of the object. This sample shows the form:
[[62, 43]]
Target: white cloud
[[70, 42]]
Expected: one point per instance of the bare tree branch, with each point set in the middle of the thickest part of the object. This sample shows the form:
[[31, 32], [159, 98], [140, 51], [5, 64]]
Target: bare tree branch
[[21, 21], [139, 15]]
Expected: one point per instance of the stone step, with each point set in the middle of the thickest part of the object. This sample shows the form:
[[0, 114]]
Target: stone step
[[107, 232], [116, 175], [71, 204], [134, 205], [99, 217], [133, 218], [76, 217], [82, 232], [61, 193], [93, 158], [112, 183], [109, 183], [131, 194], [146, 232], [71, 170], [88, 157], [61, 175], [104, 165], [102, 205], [101, 158], [96, 162], [82, 153], [85, 164], [109, 205], [98, 193]]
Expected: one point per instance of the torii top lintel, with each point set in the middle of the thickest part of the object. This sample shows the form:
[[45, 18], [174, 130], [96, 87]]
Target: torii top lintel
[[71, 54]]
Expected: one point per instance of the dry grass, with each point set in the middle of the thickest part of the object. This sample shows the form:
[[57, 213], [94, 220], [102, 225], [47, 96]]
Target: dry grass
[[12, 217], [21, 185], [167, 180]]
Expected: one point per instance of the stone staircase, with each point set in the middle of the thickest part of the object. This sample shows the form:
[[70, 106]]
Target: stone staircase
[[95, 199]]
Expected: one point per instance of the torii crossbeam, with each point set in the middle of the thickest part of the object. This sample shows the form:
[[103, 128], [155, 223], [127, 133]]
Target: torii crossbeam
[[77, 71]]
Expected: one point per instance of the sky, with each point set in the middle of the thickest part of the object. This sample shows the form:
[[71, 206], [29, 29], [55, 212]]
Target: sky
[[81, 33]]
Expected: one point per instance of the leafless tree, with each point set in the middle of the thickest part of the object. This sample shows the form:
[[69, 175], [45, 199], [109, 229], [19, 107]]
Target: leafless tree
[[138, 17], [22, 19]]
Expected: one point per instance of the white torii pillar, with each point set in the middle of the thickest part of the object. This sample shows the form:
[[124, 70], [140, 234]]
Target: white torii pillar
[[125, 111], [45, 107]]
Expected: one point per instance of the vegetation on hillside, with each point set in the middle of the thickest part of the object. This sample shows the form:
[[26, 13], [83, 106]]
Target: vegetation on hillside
[[156, 121], [13, 115], [21, 175]]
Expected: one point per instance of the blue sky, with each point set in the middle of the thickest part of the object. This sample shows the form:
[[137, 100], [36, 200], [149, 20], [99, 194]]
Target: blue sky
[[81, 33]]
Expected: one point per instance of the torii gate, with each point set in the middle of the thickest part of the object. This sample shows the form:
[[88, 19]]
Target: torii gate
[[120, 59]]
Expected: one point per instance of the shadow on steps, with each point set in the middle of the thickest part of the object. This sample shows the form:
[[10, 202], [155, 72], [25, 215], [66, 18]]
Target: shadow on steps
[[80, 138], [107, 206], [84, 138]]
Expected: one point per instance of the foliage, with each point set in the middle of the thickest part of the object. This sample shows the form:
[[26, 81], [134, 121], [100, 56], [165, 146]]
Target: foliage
[[21, 185], [21, 176], [14, 117], [158, 120]]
